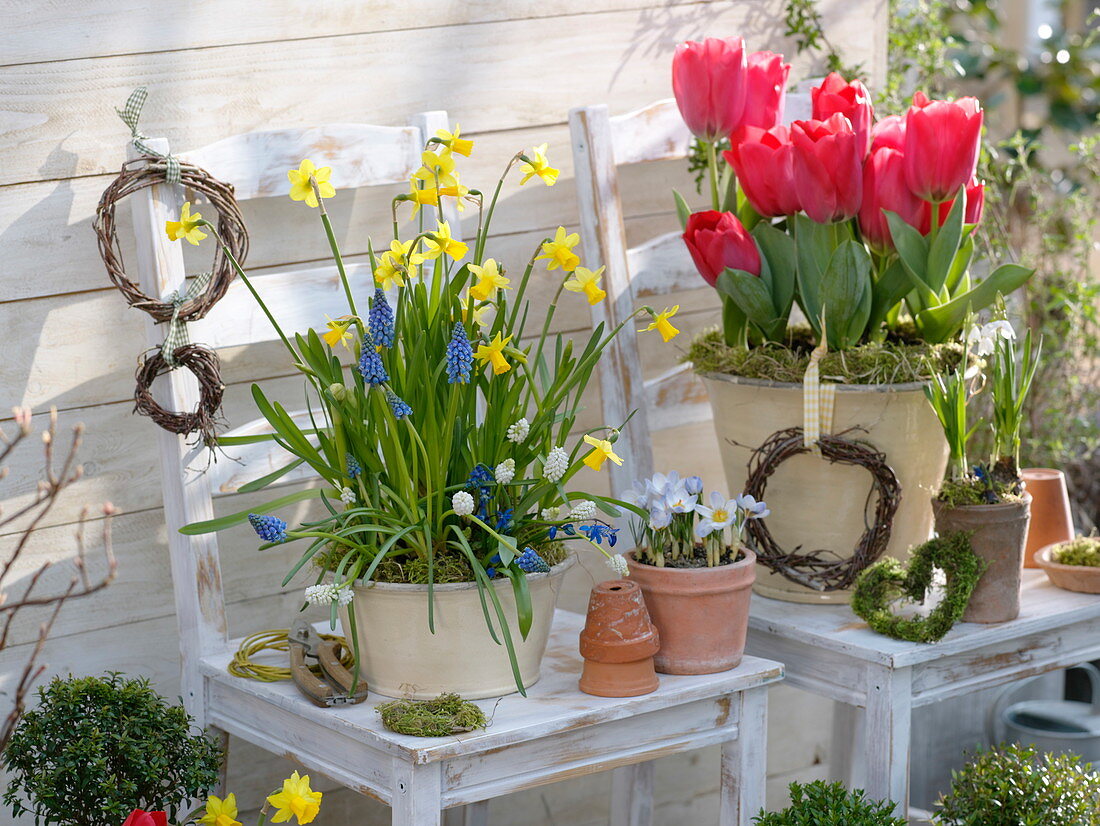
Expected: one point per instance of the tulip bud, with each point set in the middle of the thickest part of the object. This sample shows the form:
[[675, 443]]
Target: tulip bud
[[763, 162], [708, 80], [884, 188], [765, 89], [717, 240], [942, 140], [889, 133], [837, 96], [828, 168]]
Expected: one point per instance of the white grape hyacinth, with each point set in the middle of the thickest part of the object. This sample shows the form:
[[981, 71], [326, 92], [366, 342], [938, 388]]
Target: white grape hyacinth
[[584, 509], [518, 432], [462, 503], [347, 496], [617, 563], [505, 472], [556, 464], [327, 593]]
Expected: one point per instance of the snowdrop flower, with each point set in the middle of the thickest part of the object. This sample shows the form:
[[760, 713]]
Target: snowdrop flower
[[983, 339], [752, 508], [518, 432], [462, 503], [584, 509], [556, 464], [506, 471], [617, 563], [720, 515], [347, 496]]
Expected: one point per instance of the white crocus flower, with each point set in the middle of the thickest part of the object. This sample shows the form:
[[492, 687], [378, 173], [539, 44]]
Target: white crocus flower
[[752, 508], [659, 516], [720, 515]]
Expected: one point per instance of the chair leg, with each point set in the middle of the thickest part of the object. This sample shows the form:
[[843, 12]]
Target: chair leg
[[416, 795], [886, 736], [843, 748], [223, 772], [632, 795], [744, 762]]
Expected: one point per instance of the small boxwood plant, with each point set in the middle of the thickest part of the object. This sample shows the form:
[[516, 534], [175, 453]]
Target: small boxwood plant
[[1020, 786], [96, 748], [830, 804]]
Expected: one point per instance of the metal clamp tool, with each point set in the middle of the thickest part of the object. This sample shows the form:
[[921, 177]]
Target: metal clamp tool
[[333, 687]]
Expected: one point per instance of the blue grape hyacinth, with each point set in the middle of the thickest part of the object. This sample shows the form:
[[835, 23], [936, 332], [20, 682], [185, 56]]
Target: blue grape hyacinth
[[354, 468], [370, 364], [460, 356], [530, 562], [397, 405], [380, 319], [269, 528]]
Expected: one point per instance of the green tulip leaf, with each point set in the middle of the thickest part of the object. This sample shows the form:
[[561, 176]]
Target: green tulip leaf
[[813, 247], [751, 295], [846, 294], [734, 322], [777, 249], [891, 287], [939, 324], [912, 249], [959, 266], [683, 211], [945, 247]]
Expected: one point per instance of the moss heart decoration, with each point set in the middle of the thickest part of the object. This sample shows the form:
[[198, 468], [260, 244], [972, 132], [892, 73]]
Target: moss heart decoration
[[889, 579]]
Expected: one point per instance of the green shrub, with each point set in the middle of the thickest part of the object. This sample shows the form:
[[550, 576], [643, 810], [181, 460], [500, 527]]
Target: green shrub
[[830, 804], [96, 748], [1019, 786]]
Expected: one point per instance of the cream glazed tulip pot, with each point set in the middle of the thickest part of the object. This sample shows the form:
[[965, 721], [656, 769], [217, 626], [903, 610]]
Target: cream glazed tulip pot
[[816, 504], [400, 657]]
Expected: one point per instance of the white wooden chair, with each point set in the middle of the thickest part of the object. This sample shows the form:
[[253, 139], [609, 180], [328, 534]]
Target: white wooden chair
[[556, 732], [660, 267]]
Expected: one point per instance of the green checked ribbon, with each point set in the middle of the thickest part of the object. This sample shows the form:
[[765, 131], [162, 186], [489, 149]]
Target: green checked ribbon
[[130, 114], [177, 336]]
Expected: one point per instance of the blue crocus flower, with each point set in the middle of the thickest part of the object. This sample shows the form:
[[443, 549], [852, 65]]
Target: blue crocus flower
[[693, 485], [371, 367], [397, 405], [380, 319], [530, 562], [460, 356], [269, 528]]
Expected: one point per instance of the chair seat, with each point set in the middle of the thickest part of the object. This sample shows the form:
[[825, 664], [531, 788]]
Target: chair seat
[[350, 744]]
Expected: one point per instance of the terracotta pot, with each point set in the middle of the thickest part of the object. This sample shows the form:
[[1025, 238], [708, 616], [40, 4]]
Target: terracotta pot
[[1051, 518], [618, 642], [702, 614], [998, 533], [817, 504], [401, 657], [1085, 579]]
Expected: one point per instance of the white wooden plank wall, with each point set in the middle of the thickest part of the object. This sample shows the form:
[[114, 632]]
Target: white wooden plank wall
[[507, 70]]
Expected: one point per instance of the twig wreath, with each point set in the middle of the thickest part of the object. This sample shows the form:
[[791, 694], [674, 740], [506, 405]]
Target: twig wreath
[[889, 579], [822, 569], [204, 364]]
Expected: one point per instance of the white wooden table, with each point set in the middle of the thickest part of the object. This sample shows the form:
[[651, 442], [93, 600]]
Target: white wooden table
[[828, 650], [555, 733]]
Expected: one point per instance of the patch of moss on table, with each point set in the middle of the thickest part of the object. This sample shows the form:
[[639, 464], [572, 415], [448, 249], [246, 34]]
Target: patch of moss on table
[[895, 361]]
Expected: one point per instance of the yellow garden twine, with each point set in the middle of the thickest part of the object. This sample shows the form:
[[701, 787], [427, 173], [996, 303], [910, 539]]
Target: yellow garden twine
[[275, 640]]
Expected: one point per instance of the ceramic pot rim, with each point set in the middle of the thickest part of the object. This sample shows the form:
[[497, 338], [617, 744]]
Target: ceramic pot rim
[[1001, 508], [747, 562], [408, 587], [901, 387]]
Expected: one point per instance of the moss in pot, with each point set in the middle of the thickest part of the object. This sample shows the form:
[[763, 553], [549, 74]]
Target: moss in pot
[[695, 574]]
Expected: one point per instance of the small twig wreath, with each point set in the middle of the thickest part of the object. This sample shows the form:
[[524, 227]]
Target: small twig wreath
[[141, 173], [889, 579], [204, 364], [822, 569]]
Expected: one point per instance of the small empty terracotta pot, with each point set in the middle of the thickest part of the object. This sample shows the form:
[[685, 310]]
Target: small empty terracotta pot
[[1051, 517], [618, 642], [997, 534]]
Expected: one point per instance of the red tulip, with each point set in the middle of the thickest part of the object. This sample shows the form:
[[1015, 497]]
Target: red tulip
[[942, 139], [889, 132], [140, 817], [836, 96], [765, 89], [884, 187], [708, 80], [828, 168], [763, 161], [717, 240], [972, 210]]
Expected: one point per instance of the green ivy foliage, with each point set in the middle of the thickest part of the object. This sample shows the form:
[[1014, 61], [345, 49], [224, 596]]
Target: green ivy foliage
[[96, 748], [1020, 786], [830, 804]]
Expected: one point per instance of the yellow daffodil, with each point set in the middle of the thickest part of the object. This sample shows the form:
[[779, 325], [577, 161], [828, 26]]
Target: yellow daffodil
[[587, 282], [441, 242], [221, 812], [295, 799], [338, 332], [601, 451], [301, 189], [457, 191], [187, 227], [493, 352], [394, 265], [662, 324], [421, 196], [559, 252], [477, 314], [438, 168], [489, 279], [537, 164], [463, 146]]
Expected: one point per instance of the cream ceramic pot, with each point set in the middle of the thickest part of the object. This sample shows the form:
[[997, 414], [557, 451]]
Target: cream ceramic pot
[[401, 657], [815, 504]]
